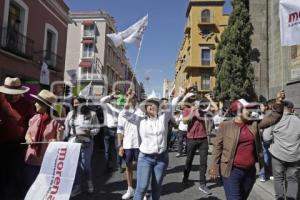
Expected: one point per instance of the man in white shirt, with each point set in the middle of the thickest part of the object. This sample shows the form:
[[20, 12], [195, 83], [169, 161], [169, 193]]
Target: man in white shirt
[[128, 141], [111, 113], [182, 130]]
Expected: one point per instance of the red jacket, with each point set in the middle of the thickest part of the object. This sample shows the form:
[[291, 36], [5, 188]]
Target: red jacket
[[14, 118]]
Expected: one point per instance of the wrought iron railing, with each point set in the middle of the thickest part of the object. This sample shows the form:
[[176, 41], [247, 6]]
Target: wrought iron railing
[[51, 59], [16, 43]]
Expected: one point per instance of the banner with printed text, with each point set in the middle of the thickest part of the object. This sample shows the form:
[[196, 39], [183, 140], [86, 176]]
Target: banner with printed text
[[289, 12], [57, 174]]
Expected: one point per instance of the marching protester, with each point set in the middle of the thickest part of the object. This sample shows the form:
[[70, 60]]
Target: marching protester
[[128, 141], [285, 151], [153, 157], [81, 125], [174, 131], [182, 130], [238, 139], [218, 119], [193, 115], [15, 112], [111, 112], [43, 129], [266, 171]]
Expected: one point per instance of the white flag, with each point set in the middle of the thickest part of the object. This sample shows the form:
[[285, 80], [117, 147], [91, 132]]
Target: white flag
[[44, 76], [87, 91], [289, 11], [57, 174], [133, 34]]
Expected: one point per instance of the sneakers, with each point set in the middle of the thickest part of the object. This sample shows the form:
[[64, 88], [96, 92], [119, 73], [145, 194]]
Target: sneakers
[[178, 155], [90, 186], [271, 178], [262, 179], [204, 189], [129, 194], [76, 191], [145, 197]]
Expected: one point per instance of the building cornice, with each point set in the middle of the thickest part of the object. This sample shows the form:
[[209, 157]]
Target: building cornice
[[203, 3]]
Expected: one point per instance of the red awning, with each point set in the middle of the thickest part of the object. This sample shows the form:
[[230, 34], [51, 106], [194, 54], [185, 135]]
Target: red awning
[[85, 64], [87, 23], [87, 41]]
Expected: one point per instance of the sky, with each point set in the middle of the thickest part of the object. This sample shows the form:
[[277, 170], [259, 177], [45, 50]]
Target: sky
[[162, 38]]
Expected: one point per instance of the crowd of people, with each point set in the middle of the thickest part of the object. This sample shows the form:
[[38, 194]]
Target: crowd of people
[[142, 133]]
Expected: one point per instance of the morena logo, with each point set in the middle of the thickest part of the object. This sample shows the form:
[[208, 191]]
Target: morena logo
[[294, 17]]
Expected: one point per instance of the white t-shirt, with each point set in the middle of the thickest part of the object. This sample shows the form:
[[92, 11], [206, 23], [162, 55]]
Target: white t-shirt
[[182, 126], [129, 129]]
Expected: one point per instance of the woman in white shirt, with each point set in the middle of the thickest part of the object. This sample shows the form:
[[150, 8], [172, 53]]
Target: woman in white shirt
[[153, 158]]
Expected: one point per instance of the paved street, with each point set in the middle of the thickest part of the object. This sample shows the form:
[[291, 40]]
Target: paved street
[[112, 186]]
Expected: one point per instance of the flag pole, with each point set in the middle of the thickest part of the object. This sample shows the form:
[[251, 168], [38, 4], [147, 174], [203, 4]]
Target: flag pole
[[136, 61], [282, 69]]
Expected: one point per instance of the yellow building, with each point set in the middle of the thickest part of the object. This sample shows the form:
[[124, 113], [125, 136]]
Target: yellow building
[[195, 64]]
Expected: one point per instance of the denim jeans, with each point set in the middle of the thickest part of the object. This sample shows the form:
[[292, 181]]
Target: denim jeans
[[266, 171], [110, 146], [192, 146], [84, 169], [181, 138], [285, 174], [239, 184], [150, 165]]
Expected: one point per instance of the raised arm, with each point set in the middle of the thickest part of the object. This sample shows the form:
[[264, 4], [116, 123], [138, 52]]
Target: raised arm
[[276, 114], [106, 99]]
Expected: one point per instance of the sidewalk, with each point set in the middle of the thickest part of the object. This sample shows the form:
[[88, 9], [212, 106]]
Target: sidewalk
[[262, 190]]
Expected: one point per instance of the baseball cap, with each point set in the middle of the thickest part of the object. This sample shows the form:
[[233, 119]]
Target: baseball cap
[[242, 103]]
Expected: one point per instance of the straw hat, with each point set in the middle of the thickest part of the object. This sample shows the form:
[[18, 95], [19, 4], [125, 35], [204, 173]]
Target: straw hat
[[47, 97], [13, 86], [151, 98]]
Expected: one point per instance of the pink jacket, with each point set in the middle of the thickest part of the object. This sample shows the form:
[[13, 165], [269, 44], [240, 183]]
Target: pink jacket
[[50, 134]]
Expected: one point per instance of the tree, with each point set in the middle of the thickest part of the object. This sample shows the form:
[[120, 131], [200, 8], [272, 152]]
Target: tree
[[235, 73]]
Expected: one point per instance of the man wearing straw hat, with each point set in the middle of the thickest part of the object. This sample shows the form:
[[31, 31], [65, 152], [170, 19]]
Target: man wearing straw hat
[[15, 112]]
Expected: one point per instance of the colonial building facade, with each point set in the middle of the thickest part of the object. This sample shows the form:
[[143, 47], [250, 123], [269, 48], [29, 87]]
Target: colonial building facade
[[33, 33], [277, 67], [195, 64], [93, 56]]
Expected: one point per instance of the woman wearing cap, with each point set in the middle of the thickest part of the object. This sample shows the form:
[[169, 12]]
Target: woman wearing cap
[[42, 130], [153, 157], [237, 147], [81, 125]]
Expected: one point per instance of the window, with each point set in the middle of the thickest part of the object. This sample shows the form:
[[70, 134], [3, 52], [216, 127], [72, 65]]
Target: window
[[14, 29], [205, 81], [50, 46], [14, 17], [205, 56], [85, 73], [205, 16], [88, 50], [89, 30]]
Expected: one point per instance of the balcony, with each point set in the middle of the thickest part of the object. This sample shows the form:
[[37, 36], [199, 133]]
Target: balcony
[[208, 23], [16, 43], [51, 59]]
